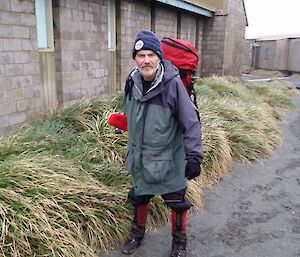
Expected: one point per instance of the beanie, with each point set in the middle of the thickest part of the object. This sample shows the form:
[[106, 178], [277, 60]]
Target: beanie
[[147, 40]]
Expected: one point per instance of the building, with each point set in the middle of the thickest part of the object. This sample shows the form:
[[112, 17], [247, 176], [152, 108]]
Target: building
[[275, 52], [56, 52]]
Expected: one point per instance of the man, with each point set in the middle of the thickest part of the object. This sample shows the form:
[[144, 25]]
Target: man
[[164, 140]]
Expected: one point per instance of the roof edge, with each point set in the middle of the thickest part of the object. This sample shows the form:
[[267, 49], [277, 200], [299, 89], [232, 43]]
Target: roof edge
[[245, 13], [187, 6]]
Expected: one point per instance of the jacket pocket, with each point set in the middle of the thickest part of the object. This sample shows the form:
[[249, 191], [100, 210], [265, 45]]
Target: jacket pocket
[[156, 165], [129, 161]]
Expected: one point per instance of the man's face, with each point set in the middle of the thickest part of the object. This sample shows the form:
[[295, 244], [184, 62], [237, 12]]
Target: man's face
[[147, 63]]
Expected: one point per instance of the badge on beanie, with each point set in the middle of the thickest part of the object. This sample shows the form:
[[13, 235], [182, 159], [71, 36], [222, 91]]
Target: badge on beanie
[[138, 45]]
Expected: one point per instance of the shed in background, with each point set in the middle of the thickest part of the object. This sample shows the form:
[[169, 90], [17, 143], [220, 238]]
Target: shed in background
[[278, 53]]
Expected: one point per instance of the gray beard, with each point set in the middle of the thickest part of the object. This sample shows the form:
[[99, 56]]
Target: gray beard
[[147, 74]]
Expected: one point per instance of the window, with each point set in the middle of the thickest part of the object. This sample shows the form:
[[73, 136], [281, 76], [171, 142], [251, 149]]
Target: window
[[43, 11], [111, 25]]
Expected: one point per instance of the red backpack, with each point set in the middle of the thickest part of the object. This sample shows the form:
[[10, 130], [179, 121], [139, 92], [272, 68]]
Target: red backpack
[[185, 57]]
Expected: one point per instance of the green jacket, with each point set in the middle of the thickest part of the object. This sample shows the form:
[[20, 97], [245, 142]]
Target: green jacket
[[163, 133]]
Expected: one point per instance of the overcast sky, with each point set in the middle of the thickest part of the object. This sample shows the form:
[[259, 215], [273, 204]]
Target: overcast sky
[[272, 17]]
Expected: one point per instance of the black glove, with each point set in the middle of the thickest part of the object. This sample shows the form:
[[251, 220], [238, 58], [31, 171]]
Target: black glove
[[192, 169]]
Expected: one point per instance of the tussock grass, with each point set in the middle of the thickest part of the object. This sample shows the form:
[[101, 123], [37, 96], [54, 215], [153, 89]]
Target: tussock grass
[[63, 185], [239, 120]]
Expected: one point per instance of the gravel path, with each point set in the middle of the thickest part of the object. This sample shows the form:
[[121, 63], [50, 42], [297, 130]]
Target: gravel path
[[254, 212]]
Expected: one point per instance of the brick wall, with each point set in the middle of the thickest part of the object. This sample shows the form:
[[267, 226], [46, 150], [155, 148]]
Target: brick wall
[[20, 83], [80, 34]]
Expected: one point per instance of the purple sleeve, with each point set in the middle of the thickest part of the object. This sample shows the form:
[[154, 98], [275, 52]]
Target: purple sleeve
[[191, 126]]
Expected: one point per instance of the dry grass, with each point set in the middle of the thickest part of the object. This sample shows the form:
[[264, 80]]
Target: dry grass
[[267, 73], [63, 186], [239, 121], [295, 75]]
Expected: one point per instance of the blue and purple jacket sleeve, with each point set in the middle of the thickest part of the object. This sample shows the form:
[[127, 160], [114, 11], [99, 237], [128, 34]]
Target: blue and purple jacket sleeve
[[186, 113]]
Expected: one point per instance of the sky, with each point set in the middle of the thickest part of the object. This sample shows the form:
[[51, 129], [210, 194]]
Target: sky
[[272, 17]]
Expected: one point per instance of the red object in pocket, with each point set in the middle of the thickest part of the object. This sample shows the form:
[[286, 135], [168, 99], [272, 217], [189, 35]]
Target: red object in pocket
[[118, 120]]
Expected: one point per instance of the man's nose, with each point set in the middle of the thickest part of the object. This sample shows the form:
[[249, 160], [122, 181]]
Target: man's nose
[[146, 59]]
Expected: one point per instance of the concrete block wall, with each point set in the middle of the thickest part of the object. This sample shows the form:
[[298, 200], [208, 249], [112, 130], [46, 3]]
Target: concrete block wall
[[222, 41], [213, 46], [294, 55], [188, 27], [165, 22], [20, 83], [81, 41], [267, 54], [134, 16], [81, 48], [247, 55], [281, 57], [235, 35], [199, 45]]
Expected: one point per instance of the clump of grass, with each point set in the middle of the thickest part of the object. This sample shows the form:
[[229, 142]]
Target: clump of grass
[[239, 120], [63, 186], [274, 94], [50, 206]]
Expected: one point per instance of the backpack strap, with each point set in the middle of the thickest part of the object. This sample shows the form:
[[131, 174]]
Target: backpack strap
[[194, 98], [128, 87], [129, 84]]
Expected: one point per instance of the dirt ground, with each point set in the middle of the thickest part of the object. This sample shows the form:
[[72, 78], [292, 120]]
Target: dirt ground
[[254, 212]]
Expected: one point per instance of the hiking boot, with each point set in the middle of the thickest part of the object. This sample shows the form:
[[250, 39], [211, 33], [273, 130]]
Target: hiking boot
[[134, 240], [131, 245], [178, 245], [137, 229], [179, 234], [178, 252]]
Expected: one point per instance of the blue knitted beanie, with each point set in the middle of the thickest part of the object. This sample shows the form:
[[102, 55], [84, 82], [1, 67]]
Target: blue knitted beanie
[[147, 40]]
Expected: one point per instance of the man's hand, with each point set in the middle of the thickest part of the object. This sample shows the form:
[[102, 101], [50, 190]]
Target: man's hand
[[118, 120], [192, 169]]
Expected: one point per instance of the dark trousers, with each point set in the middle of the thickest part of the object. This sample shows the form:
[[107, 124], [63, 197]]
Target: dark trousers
[[177, 201]]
